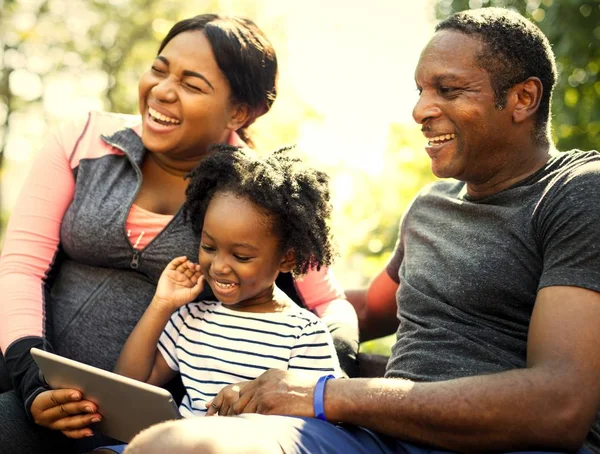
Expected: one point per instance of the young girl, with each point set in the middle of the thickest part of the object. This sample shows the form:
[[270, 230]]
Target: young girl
[[257, 217]]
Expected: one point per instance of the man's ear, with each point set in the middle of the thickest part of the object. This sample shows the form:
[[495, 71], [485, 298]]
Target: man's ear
[[288, 262], [526, 97], [240, 114]]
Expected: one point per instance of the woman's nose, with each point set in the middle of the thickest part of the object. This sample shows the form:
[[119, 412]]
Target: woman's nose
[[165, 90]]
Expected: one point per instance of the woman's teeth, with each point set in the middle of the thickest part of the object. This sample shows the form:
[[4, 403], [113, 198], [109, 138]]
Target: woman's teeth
[[157, 116]]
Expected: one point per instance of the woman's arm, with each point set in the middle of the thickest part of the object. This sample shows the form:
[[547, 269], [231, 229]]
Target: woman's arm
[[29, 249], [322, 294]]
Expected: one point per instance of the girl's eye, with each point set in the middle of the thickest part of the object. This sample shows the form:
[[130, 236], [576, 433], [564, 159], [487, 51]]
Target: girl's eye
[[207, 248], [241, 258]]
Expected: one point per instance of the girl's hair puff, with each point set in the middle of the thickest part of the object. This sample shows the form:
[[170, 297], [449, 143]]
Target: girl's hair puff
[[294, 196]]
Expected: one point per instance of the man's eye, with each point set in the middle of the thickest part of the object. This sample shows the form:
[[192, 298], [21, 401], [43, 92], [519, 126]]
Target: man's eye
[[419, 91], [157, 70], [448, 90]]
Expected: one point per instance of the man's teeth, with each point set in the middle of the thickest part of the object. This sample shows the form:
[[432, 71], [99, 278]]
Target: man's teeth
[[223, 285], [442, 138], [158, 116]]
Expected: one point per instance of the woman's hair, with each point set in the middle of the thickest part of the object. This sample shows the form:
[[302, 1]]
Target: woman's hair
[[293, 196], [245, 57]]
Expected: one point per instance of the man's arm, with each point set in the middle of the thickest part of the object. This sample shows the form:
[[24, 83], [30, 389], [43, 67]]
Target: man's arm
[[376, 307], [549, 405]]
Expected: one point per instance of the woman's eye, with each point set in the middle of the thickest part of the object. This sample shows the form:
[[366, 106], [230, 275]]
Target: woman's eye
[[193, 88]]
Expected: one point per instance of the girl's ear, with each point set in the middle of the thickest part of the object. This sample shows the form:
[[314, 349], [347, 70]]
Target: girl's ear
[[288, 262]]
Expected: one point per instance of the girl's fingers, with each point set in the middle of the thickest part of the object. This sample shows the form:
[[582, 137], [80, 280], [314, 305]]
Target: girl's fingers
[[177, 261]]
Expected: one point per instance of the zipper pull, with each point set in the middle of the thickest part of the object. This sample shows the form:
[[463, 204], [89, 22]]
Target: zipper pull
[[135, 260]]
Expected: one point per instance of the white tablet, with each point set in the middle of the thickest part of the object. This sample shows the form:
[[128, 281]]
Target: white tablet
[[127, 406]]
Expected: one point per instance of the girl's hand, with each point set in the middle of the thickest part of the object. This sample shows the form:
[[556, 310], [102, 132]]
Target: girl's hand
[[223, 402], [64, 410], [180, 283]]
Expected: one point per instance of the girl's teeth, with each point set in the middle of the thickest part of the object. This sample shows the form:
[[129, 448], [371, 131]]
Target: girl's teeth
[[222, 285]]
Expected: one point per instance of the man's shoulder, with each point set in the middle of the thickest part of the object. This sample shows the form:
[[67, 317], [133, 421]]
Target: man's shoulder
[[575, 165]]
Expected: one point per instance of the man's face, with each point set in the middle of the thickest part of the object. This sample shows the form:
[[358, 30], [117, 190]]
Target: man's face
[[466, 132]]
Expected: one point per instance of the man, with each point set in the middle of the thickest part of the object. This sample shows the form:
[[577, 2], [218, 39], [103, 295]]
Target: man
[[497, 273]]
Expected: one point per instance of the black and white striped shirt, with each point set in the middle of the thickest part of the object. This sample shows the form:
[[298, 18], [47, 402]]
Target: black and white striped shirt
[[213, 346]]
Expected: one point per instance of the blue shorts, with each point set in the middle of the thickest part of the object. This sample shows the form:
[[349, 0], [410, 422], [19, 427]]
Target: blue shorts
[[298, 435]]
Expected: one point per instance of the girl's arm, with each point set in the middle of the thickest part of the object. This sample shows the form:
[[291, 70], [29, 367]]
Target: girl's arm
[[140, 358], [179, 284]]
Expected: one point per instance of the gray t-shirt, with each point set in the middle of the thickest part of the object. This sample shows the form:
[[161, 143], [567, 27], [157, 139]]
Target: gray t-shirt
[[469, 270]]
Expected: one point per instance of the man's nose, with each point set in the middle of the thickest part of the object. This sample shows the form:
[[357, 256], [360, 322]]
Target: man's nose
[[425, 108]]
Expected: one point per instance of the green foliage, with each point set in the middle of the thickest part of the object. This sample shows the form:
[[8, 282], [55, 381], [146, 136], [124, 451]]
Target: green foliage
[[573, 28]]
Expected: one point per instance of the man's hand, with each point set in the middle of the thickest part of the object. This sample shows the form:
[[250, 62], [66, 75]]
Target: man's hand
[[180, 283], [277, 392], [222, 404], [64, 410]]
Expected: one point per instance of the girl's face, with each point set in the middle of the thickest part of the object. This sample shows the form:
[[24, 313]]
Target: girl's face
[[185, 100], [240, 256]]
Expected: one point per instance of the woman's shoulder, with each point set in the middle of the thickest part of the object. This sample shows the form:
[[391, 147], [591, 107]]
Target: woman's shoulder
[[81, 136], [107, 123]]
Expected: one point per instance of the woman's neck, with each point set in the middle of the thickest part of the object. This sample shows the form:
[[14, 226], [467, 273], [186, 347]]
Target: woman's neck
[[176, 168]]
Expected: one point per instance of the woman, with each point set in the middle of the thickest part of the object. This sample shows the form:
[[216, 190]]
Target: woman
[[100, 218]]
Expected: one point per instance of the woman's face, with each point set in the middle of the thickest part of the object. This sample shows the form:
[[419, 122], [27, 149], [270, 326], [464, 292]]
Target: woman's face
[[185, 100]]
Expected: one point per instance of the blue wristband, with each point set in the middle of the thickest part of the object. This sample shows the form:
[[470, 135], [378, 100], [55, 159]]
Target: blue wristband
[[318, 404]]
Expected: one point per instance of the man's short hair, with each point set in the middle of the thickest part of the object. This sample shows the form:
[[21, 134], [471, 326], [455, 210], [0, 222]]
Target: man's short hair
[[513, 49]]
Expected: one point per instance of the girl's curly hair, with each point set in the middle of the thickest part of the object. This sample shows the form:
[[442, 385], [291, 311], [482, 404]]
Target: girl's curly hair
[[294, 196]]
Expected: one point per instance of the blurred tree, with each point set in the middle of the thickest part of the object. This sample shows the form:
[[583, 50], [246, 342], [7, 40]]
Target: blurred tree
[[573, 28], [42, 41]]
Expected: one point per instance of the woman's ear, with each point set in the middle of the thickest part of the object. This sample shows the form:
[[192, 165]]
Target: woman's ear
[[526, 97], [240, 114], [288, 262]]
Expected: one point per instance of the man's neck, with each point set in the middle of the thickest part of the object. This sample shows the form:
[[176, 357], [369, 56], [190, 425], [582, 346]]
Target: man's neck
[[522, 165]]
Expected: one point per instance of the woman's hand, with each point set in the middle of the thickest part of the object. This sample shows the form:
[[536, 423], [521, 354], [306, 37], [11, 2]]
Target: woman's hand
[[64, 410], [223, 402], [180, 283]]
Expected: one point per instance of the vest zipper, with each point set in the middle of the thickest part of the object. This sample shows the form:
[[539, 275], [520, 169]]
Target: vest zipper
[[135, 260]]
